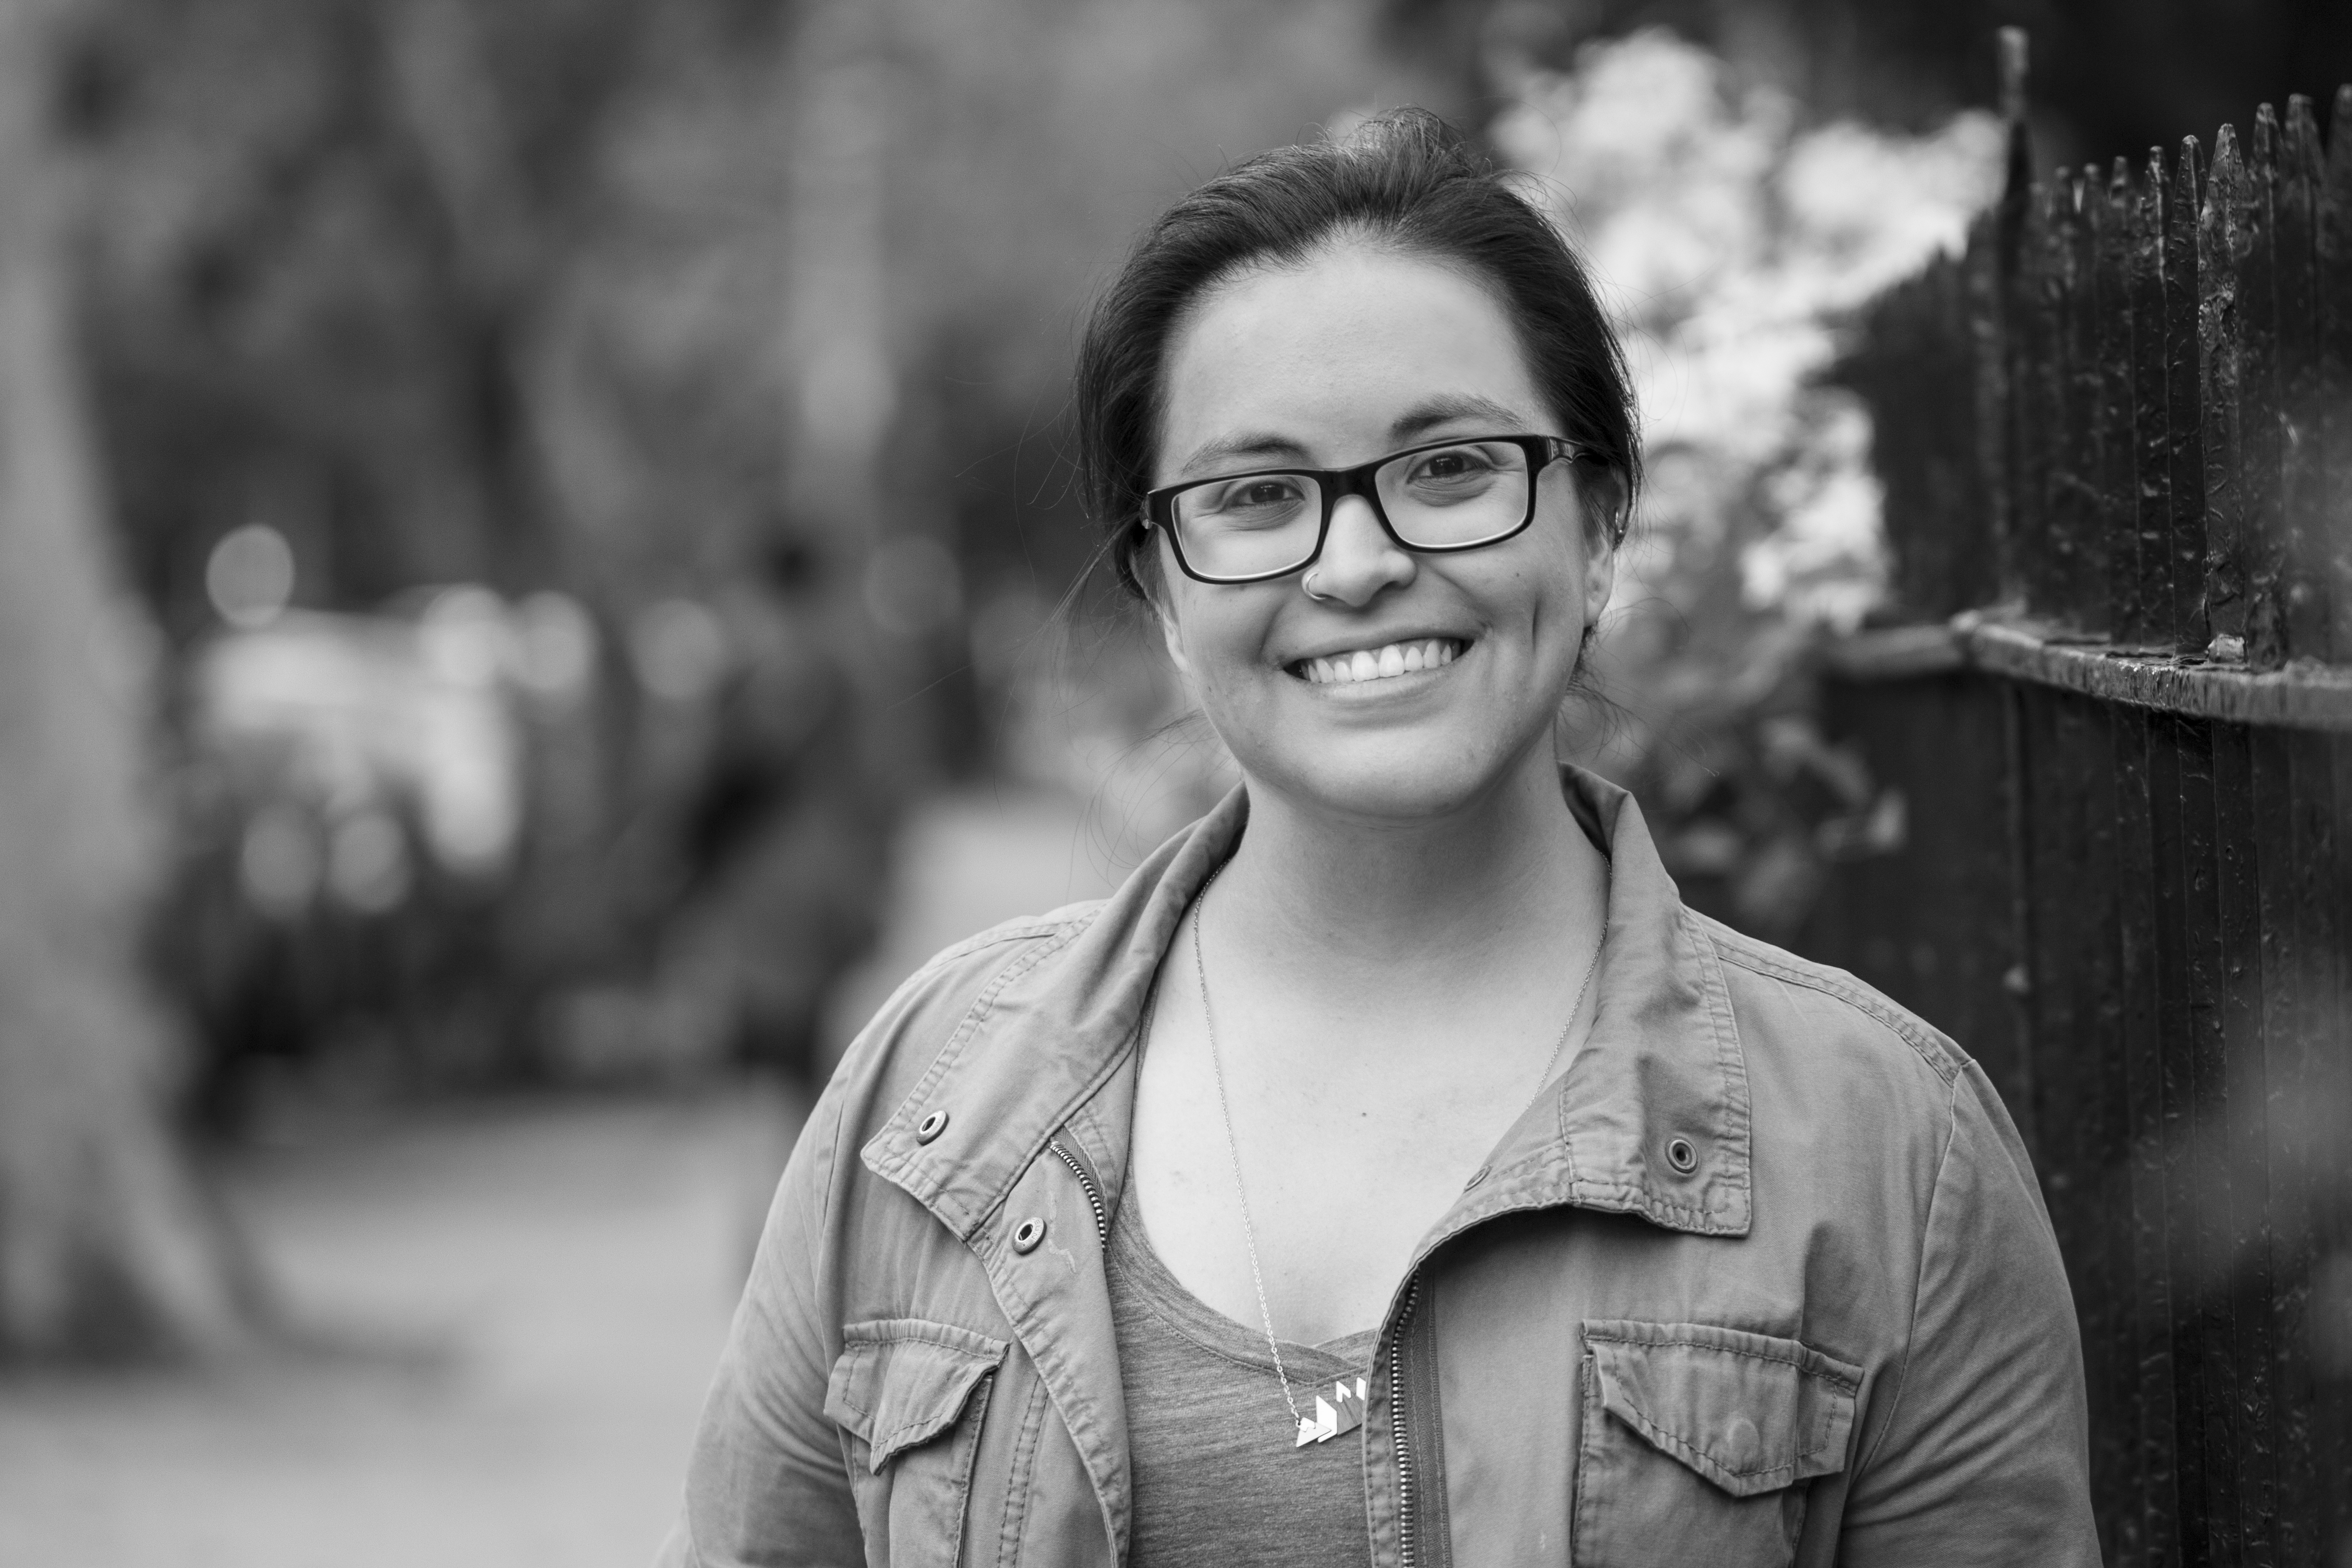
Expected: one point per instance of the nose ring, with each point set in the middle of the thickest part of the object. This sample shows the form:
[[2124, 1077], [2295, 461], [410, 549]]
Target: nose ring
[[1308, 583]]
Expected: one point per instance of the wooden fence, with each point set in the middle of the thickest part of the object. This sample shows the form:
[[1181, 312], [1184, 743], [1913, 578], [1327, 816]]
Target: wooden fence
[[2115, 700]]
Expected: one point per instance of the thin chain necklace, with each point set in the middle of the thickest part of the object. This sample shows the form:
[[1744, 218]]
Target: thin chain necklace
[[1344, 1411]]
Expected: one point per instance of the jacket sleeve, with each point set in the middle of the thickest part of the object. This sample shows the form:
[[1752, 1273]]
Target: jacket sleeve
[[766, 1486], [1985, 1458]]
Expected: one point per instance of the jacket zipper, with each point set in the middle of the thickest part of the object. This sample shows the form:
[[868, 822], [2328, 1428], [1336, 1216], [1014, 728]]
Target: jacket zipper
[[1405, 1552], [1094, 1193]]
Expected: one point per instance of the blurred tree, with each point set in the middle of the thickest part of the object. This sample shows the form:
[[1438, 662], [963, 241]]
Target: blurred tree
[[2110, 77], [105, 1243]]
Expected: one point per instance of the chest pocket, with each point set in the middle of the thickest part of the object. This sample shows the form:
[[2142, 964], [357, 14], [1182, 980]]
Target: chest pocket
[[909, 1397], [1697, 1443]]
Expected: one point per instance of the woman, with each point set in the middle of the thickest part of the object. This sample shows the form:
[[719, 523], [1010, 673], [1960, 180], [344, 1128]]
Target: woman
[[1393, 1171]]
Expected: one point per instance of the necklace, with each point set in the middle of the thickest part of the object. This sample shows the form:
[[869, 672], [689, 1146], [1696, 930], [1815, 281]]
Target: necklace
[[1343, 1411]]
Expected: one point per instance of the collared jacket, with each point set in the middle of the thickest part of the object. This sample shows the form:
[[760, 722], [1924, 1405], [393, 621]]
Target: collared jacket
[[1763, 1278]]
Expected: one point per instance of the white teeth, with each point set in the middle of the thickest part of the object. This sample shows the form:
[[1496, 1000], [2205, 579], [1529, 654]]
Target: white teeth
[[1382, 663]]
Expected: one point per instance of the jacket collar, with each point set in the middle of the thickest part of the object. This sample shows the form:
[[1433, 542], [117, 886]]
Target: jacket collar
[[1659, 1083]]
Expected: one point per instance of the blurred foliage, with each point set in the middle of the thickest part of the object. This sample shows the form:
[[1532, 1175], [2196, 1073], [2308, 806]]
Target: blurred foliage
[[1736, 237], [2110, 77]]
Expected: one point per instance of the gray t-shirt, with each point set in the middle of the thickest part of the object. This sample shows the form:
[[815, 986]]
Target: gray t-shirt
[[1218, 1480]]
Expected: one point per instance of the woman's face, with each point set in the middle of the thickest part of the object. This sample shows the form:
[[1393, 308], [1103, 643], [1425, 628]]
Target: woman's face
[[1352, 357]]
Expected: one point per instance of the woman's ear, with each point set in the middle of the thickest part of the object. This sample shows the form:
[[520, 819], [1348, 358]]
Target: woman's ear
[[1165, 613], [1605, 501], [1154, 579]]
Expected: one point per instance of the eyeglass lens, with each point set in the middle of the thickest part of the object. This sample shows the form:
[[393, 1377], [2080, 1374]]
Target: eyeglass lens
[[1445, 497]]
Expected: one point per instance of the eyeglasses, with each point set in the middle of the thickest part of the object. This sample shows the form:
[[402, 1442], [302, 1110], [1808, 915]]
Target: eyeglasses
[[1449, 496]]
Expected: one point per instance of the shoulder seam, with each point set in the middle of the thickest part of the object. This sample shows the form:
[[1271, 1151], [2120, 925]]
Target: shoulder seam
[[1919, 1281], [1024, 929], [1945, 1064]]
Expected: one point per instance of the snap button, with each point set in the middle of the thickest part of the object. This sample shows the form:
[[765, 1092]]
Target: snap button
[[1742, 1444], [1028, 1234], [930, 1126], [1476, 1176], [1681, 1156]]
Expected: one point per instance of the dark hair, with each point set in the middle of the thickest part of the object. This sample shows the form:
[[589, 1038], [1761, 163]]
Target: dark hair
[[1404, 180]]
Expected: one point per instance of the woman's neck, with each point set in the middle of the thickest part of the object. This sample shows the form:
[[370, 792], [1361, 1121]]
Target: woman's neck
[[1370, 907]]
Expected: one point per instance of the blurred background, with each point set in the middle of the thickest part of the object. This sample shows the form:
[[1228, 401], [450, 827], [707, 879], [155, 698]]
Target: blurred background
[[539, 576]]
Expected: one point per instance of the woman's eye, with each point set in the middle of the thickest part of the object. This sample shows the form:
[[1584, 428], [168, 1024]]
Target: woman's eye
[[1253, 498], [1451, 466]]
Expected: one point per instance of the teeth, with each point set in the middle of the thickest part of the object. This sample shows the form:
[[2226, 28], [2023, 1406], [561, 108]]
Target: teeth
[[1382, 663]]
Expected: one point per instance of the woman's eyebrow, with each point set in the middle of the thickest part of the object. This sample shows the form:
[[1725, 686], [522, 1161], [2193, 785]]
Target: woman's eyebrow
[[1244, 444], [1443, 409], [1448, 407]]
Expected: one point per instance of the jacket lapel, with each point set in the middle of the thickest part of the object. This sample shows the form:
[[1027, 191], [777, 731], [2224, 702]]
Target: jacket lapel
[[1046, 1050]]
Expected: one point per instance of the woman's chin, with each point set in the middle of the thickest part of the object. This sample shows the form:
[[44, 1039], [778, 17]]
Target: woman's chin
[[1417, 783]]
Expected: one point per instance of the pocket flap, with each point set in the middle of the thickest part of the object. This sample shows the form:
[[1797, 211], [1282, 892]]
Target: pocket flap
[[902, 1382], [1749, 1412]]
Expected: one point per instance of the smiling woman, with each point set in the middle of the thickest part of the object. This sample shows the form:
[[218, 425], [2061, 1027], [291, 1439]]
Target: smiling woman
[[1393, 1171]]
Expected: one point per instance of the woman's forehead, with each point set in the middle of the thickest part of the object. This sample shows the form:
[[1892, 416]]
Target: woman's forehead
[[1353, 347]]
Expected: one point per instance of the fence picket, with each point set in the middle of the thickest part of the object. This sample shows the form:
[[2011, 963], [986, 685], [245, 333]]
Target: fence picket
[[2118, 523], [2302, 584], [2152, 400], [2332, 248], [2184, 454], [2220, 342], [2263, 540]]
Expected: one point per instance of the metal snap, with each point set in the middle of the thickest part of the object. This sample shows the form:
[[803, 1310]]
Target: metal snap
[[1476, 1176], [931, 1126], [1681, 1156], [1028, 1234]]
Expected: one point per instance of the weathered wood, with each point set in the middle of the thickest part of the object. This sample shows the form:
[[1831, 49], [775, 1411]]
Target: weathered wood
[[2332, 247], [2307, 696], [2323, 785], [2155, 832], [2152, 400], [2302, 579], [2184, 1192], [2273, 826], [2066, 769], [2324, 933], [2220, 340], [2035, 407], [2209, 1245], [1985, 274], [2240, 1275], [2140, 983], [2184, 453], [2118, 521], [2079, 539], [2263, 537]]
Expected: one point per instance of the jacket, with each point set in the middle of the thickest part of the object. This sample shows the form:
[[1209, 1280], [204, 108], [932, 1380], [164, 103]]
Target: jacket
[[1764, 1278]]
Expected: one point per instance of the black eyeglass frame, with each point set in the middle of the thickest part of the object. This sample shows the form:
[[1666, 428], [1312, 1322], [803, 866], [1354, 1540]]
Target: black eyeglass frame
[[1542, 451]]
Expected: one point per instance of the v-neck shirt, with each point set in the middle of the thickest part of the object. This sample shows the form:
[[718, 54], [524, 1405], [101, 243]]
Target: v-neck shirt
[[1217, 1477]]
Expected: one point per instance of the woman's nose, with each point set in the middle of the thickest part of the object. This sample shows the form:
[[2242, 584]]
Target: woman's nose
[[1359, 557]]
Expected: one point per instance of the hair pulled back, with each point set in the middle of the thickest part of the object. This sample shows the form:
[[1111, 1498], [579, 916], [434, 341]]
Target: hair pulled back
[[1404, 181]]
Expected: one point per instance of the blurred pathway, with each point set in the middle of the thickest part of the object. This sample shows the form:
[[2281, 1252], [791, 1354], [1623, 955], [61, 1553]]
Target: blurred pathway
[[963, 863], [532, 1298]]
